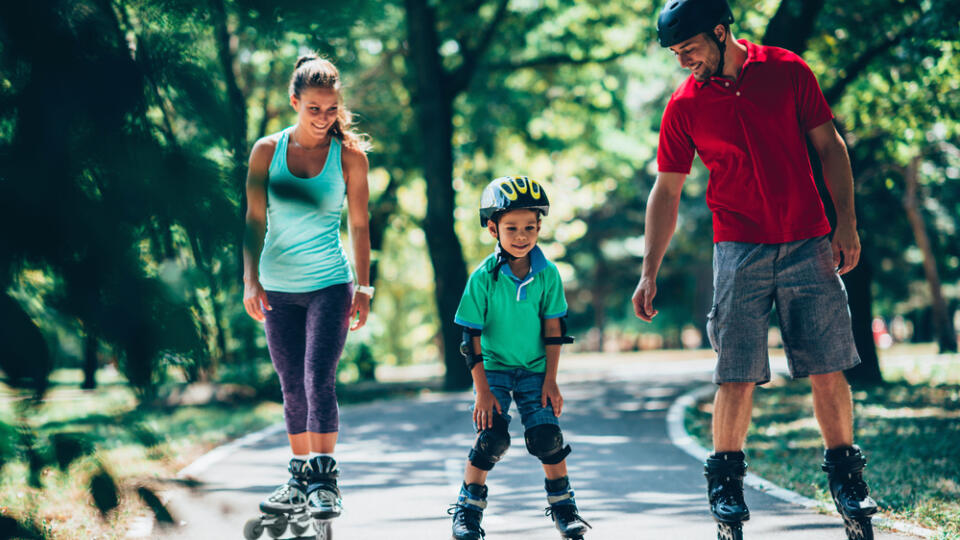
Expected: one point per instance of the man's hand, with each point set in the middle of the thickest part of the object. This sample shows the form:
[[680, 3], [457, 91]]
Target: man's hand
[[643, 298], [846, 248], [483, 409], [551, 392]]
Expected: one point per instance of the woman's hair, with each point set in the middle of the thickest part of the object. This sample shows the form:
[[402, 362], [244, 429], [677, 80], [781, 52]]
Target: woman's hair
[[312, 71]]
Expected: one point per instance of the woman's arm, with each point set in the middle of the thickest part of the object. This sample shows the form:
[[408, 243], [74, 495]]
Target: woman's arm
[[358, 196], [254, 297]]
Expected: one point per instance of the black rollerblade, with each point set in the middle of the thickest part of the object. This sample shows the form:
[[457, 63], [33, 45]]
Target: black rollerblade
[[287, 505], [844, 468], [468, 512], [725, 472], [323, 495], [563, 509]]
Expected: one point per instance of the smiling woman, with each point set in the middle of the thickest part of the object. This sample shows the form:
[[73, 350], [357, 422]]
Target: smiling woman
[[298, 280]]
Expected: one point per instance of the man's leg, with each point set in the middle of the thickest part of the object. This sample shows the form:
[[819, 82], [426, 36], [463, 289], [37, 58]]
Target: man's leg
[[732, 407], [833, 407]]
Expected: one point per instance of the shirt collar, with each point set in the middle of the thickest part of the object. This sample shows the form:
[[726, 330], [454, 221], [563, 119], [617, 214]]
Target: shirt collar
[[538, 262], [755, 53]]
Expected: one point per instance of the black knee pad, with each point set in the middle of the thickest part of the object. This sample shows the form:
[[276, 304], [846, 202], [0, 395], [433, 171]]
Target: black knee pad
[[491, 445], [546, 443]]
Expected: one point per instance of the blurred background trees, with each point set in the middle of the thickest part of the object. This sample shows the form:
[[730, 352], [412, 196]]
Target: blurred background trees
[[125, 127]]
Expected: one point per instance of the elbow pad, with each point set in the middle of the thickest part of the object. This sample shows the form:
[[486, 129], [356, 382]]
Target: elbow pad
[[563, 338], [466, 348]]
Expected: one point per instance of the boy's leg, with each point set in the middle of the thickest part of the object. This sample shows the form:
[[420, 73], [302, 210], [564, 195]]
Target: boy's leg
[[544, 440]]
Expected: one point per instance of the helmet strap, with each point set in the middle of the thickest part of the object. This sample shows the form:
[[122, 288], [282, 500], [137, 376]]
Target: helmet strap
[[722, 45], [503, 256]]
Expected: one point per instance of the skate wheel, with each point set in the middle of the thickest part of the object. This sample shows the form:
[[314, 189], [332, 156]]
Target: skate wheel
[[729, 531], [858, 528], [252, 529], [324, 530], [298, 529], [277, 528]]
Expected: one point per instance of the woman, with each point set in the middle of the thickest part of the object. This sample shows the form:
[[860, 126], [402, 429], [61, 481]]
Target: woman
[[297, 278]]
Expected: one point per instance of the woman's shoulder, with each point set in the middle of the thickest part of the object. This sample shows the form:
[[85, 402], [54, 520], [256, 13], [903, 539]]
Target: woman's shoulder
[[263, 149], [353, 156]]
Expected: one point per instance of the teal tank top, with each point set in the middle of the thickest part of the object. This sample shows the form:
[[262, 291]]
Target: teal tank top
[[302, 251]]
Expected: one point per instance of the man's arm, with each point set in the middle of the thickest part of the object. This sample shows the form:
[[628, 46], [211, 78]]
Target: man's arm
[[661, 221], [839, 179]]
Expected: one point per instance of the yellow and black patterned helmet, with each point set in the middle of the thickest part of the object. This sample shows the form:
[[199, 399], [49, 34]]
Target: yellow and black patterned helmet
[[511, 193]]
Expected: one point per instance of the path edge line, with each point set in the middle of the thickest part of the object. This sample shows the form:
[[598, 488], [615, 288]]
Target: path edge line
[[683, 440]]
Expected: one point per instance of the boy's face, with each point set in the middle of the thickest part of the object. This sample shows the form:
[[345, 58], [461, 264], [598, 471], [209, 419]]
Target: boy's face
[[519, 230]]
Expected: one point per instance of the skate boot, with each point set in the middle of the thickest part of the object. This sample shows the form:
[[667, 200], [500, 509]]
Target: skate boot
[[844, 468], [725, 472], [563, 509], [323, 495], [286, 505], [468, 512]]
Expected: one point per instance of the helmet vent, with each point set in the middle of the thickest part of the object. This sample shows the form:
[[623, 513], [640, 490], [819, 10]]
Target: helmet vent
[[674, 5]]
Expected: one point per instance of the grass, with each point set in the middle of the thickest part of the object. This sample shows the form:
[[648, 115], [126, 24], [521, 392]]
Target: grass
[[909, 429], [137, 447]]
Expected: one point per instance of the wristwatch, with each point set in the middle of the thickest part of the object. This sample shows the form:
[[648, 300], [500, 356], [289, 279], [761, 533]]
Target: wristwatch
[[364, 289]]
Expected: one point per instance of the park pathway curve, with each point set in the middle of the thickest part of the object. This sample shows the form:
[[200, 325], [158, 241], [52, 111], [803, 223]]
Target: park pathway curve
[[402, 462]]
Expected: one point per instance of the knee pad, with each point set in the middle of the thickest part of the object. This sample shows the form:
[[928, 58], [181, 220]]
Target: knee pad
[[491, 445], [545, 442]]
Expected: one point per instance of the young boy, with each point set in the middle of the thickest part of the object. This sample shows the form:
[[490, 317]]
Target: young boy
[[511, 311]]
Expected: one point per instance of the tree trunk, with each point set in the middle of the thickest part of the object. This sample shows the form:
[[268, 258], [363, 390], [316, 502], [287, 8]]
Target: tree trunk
[[599, 300], [433, 101], [792, 24], [90, 361], [857, 282], [942, 322]]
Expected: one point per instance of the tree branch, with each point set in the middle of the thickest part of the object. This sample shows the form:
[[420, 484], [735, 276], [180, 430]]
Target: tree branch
[[855, 68], [556, 60], [461, 77]]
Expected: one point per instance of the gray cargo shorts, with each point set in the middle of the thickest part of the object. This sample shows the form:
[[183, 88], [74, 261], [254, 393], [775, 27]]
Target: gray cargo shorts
[[811, 306]]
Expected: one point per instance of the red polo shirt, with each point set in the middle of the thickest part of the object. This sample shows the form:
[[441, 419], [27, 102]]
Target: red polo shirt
[[751, 135]]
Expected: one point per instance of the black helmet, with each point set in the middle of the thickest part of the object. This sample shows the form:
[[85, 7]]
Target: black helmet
[[680, 20], [511, 193]]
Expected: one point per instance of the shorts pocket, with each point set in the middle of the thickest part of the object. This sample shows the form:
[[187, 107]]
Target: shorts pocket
[[713, 330]]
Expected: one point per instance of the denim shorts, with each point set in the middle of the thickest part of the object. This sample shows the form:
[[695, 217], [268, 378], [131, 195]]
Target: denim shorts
[[811, 306], [524, 387]]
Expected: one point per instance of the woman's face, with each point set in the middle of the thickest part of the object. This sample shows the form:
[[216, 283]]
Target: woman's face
[[316, 110]]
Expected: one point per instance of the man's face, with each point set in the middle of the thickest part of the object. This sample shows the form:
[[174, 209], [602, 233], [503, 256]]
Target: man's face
[[700, 55]]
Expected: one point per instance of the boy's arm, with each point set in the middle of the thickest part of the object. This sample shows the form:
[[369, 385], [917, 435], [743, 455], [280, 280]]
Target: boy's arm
[[551, 392], [485, 401]]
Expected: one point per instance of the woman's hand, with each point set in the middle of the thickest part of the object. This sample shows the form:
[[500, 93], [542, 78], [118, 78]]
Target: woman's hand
[[551, 393], [483, 409], [360, 308], [255, 300]]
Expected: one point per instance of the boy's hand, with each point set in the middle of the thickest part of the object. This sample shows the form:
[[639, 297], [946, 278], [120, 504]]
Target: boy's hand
[[483, 409], [551, 393]]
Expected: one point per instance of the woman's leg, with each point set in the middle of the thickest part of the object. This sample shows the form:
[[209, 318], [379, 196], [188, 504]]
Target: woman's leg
[[285, 327], [327, 327]]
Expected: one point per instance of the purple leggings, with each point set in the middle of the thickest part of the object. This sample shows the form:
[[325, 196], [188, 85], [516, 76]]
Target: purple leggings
[[305, 334]]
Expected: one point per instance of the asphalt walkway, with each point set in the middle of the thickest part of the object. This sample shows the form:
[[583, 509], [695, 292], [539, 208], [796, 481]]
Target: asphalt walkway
[[402, 463]]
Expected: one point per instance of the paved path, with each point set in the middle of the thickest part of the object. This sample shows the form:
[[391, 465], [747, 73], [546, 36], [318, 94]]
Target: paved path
[[402, 463]]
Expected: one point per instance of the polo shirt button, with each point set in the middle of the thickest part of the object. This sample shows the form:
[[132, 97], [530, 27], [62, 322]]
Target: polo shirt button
[[726, 84], [738, 92]]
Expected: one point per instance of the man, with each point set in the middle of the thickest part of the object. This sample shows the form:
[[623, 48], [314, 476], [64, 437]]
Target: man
[[747, 111]]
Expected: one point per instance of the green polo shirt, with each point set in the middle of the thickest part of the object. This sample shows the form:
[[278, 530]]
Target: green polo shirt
[[509, 311]]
